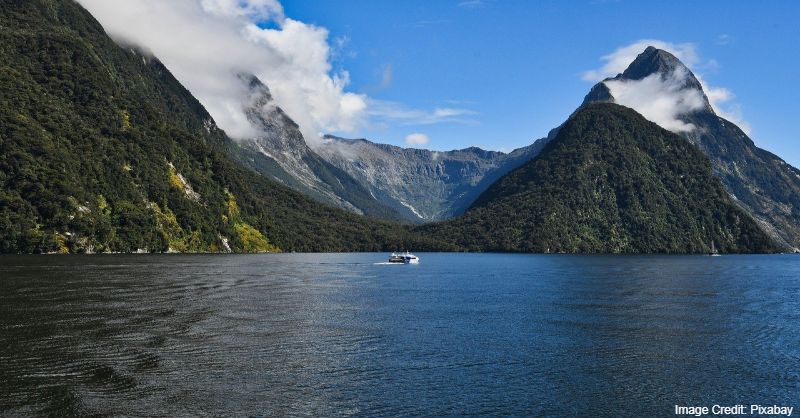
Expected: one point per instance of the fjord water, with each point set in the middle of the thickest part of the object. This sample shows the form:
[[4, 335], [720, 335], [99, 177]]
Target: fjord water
[[337, 334]]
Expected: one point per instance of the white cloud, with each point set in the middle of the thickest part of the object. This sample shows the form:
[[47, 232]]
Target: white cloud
[[617, 61], [206, 43], [416, 139], [659, 99], [662, 99], [387, 111], [256, 9]]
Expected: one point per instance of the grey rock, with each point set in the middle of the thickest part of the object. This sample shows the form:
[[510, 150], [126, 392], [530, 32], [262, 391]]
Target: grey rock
[[422, 185], [280, 152]]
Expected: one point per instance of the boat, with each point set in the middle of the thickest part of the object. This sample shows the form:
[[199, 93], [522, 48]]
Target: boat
[[403, 258]]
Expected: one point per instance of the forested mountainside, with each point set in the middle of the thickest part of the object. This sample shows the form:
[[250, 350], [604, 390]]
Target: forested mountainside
[[763, 184], [101, 149], [609, 182]]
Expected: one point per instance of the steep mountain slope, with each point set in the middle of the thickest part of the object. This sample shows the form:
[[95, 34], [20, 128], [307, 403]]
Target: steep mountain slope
[[101, 149], [281, 153], [610, 181], [760, 182], [420, 184]]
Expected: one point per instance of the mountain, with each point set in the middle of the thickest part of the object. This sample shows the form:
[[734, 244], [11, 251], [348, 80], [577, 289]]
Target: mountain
[[102, 149], [760, 182], [610, 181], [280, 152], [422, 185]]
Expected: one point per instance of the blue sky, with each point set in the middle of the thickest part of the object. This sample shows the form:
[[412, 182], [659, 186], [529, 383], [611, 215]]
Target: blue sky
[[502, 73]]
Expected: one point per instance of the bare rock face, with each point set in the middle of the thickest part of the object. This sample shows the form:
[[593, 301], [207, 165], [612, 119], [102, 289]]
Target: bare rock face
[[422, 185], [381, 180], [280, 152]]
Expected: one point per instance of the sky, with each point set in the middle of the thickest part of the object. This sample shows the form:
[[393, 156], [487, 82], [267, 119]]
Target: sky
[[449, 74]]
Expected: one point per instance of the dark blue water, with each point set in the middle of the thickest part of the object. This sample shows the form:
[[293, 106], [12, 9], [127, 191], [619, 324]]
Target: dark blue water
[[336, 334]]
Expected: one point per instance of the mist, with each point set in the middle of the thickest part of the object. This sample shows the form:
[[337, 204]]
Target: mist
[[660, 99], [207, 44]]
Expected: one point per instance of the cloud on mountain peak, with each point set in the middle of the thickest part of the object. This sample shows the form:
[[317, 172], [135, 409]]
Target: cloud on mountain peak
[[663, 98], [208, 43], [617, 61], [660, 99]]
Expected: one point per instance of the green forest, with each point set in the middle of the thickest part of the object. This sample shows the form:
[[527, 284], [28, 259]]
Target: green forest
[[103, 150], [609, 182]]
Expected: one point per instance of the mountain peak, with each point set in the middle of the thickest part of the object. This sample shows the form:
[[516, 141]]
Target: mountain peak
[[658, 61], [652, 61], [661, 198], [674, 76], [259, 92]]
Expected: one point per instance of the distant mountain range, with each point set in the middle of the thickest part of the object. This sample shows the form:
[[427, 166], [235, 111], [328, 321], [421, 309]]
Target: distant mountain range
[[282, 154], [378, 180], [422, 185], [101, 149]]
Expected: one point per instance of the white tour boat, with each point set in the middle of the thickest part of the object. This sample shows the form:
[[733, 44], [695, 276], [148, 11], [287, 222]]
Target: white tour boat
[[403, 258]]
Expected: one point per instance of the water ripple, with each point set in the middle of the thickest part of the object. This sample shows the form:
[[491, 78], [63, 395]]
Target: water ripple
[[332, 335]]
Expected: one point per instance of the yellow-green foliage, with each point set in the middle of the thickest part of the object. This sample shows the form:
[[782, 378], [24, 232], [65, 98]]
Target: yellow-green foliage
[[125, 118], [179, 182], [179, 240], [253, 241], [233, 208], [60, 243], [102, 204], [175, 180], [194, 243], [167, 224]]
